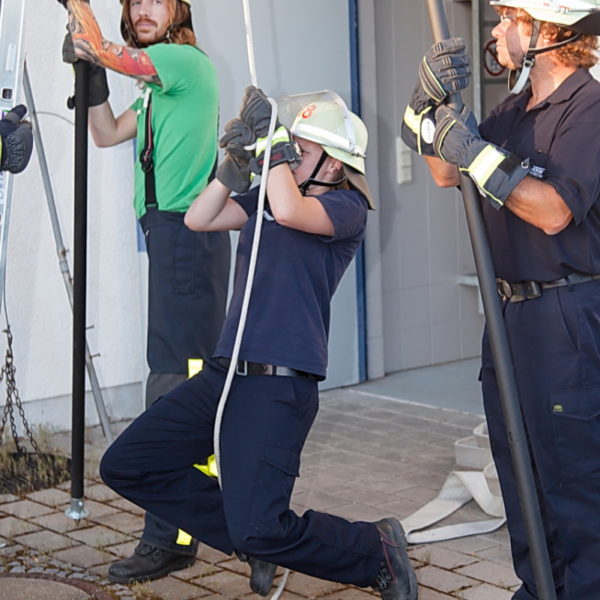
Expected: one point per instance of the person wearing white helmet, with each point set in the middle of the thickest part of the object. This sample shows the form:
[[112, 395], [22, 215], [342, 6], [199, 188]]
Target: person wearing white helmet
[[314, 222], [535, 160], [174, 122]]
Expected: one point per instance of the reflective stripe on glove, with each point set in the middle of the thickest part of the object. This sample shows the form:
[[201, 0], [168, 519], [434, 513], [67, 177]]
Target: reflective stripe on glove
[[256, 113], [283, 149], [495, 171], [418, 127], [444, 70]]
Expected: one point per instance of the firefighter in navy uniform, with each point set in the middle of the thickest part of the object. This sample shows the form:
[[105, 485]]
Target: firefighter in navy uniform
[[313, 225], [536, 162], [175, 123]]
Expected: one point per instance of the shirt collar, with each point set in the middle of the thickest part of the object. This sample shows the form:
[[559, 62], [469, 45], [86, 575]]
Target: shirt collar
[[569, 86], [564, 91]]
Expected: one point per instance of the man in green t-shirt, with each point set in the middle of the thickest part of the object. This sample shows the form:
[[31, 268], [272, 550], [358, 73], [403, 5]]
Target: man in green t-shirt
[[175, 124]]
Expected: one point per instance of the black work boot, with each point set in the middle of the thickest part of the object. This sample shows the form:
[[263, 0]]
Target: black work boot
[[262, 573], [396, 579], [147, 563]]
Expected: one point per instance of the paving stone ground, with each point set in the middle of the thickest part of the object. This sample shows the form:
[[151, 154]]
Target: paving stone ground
[[367, 458]]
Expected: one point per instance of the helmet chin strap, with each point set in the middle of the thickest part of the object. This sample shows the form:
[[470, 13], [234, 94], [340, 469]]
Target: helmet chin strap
[[518, 79], [311, 180]]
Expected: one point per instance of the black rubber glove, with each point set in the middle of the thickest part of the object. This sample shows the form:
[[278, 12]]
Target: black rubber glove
[[443, 71], [98, 91], [495, 171], [256, 113], [16, 140], [234, 171]]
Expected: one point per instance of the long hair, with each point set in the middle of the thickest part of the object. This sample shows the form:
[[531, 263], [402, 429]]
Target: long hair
[[179, 31], [579, 54]]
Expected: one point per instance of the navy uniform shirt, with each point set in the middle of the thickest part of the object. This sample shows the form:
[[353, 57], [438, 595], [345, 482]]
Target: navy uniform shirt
[[561, 136], [296, 276]]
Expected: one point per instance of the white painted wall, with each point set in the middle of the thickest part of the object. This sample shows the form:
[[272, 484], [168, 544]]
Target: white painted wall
[[296, 51], [35, 293]]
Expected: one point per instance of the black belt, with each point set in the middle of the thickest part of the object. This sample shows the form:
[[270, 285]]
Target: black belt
[[245, 367], [528, 290]]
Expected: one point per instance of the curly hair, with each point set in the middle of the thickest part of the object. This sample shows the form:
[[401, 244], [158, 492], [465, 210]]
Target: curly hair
[[178, 32], [579, 54]]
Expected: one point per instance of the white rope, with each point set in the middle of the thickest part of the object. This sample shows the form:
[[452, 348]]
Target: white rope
[[251, 267], [247, 292], [250, 42]]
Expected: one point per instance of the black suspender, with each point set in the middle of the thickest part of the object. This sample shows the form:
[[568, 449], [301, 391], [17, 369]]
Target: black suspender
[[147, 159]]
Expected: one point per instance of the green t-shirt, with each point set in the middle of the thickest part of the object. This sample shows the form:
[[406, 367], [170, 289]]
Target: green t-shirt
[[184, 123]]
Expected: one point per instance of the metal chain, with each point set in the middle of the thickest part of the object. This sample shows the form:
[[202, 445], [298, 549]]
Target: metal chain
[[7, 373]]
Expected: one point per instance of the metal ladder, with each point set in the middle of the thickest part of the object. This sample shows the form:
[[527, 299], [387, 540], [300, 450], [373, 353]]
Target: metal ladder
[[13, 74]]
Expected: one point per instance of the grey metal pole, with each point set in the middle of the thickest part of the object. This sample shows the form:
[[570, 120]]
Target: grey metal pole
[[62, 252], [502, 358]]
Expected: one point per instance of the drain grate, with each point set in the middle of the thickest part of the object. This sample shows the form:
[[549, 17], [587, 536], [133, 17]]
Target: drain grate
[[21, 586], [30, 575]]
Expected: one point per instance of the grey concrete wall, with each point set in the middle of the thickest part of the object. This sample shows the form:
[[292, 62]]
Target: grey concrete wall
[[429, 317]]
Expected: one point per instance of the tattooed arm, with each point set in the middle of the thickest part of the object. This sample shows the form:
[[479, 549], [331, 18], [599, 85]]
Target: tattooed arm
[[91, 46]]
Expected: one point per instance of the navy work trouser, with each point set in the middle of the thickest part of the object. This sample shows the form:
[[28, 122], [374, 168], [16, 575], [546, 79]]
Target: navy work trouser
[[555, 344], [188, 276], [265, 424], [187, 290]]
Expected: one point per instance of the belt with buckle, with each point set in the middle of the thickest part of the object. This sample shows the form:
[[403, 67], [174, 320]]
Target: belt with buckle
[[245, 368], [528, 290]]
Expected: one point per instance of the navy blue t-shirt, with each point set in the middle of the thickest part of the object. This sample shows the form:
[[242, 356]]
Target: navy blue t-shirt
[[561, 136], [296, 276]]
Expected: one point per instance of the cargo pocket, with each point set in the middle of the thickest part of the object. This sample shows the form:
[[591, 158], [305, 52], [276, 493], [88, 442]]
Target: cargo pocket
[[576, 423], [277, 474], [183, 261]]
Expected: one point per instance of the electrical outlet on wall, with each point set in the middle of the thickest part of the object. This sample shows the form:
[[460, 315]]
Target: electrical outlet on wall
[[403, 162]]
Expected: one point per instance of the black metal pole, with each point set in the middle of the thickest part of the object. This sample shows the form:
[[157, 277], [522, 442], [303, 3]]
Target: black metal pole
[[502, 359], [77, 510]]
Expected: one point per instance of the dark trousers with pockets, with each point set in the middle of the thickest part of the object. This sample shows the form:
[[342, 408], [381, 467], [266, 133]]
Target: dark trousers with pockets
[[187, 293], [555, 344], [265, 424]]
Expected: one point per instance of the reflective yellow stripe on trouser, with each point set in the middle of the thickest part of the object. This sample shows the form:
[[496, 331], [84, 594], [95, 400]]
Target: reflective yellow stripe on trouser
[[210, 468], [194, 366]]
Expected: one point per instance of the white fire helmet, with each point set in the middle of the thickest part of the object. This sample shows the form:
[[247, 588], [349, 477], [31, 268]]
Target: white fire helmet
[[325, 120], [579, 15]]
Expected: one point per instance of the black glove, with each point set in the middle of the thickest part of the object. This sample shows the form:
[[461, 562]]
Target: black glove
[[16, 140], [256, 111], [68, 50], [98, 91], [495, 171], [444, 70], [234, 171]]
